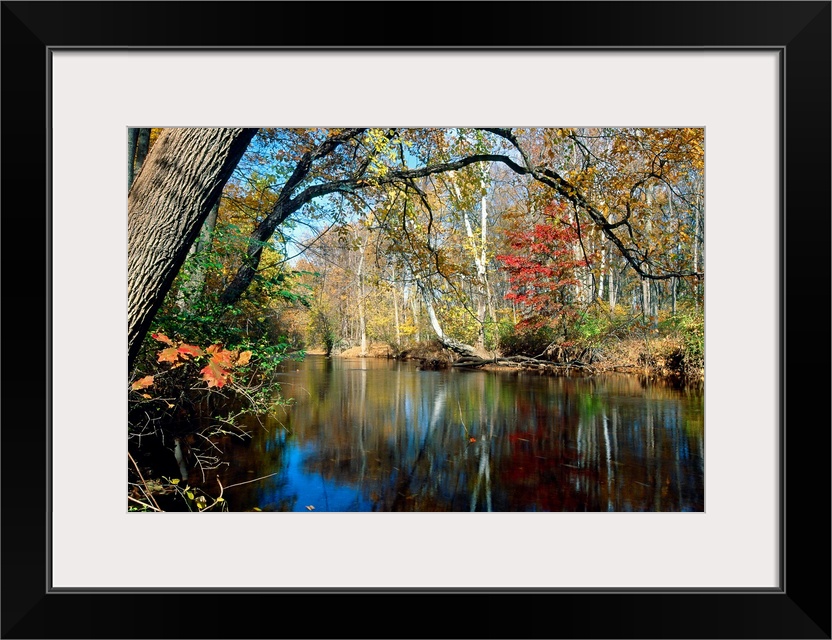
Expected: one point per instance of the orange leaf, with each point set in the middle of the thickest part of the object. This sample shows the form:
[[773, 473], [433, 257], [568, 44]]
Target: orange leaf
[[221, 356], [214, 374], [144, 383], [245, 356], [189, 350], [161, 337], [170, 354]]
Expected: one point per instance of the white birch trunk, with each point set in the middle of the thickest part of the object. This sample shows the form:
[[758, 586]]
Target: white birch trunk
[[362, 324], [396, 310]]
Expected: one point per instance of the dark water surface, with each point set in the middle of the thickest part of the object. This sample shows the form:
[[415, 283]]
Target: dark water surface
[[380, 435]]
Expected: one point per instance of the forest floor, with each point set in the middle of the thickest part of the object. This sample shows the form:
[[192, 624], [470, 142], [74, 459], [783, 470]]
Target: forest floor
[[374, 350]]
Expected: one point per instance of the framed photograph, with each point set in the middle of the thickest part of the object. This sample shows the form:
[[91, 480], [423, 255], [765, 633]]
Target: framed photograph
[[737, 549]]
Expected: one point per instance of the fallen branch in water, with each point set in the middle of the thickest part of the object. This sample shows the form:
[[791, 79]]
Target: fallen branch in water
[[250, 481], [521, 362]]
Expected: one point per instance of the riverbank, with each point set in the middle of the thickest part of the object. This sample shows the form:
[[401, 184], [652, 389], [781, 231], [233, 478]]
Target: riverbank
[[661, 358]]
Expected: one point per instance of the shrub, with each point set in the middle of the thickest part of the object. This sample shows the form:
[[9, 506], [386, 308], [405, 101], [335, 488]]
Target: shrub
[[525, 338], [682, 350]]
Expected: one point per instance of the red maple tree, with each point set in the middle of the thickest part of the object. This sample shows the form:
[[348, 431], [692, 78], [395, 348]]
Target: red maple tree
[[542, 267]]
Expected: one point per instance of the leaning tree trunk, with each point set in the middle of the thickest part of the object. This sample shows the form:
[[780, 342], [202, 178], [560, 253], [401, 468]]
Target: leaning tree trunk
[[182, 178], [447, 341]]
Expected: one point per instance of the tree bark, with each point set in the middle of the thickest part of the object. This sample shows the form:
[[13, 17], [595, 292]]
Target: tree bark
[[183, 177], [447, 341], [132, 139], [362, 321], [396, 310], [696, 254], [673, 310], [191, 288], [142, 147]]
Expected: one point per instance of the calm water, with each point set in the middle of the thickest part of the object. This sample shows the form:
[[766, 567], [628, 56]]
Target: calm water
[[380, 435]]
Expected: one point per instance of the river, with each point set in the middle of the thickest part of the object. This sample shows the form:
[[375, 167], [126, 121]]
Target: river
[[370, 434]]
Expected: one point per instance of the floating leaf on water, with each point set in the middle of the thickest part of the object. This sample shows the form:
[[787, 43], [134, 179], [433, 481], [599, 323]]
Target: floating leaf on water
[[257, 509]]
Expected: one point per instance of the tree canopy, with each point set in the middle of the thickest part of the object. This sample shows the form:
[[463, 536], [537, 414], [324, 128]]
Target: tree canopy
[[444, 230]]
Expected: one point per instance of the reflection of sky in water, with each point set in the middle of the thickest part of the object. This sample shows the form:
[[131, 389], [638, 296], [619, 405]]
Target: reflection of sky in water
[[308, 489], [382, 435]]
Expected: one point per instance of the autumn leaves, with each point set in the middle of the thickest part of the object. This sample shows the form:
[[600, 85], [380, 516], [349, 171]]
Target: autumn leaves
[[217, 372]]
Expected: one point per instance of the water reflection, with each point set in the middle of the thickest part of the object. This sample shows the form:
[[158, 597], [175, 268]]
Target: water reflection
[[378, 435]]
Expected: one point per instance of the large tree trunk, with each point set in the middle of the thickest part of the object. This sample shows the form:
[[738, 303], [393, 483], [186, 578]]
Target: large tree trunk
[[183, 177]]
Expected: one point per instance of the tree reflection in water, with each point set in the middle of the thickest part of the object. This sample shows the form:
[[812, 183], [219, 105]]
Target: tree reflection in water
[[379, 435]]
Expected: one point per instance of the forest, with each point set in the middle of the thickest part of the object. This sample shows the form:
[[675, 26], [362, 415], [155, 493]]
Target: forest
[[573, 251]]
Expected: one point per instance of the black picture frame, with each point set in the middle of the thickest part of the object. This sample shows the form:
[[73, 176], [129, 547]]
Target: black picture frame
[[800, 608]]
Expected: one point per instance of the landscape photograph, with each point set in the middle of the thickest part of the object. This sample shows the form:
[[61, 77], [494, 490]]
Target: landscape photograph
[[416, 319]]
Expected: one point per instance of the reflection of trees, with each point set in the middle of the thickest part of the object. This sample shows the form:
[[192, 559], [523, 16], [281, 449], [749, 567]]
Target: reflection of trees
[[458, 441], [263, 455]]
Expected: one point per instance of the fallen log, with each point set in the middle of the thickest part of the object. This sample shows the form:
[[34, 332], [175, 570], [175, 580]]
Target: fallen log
[[521, 362]]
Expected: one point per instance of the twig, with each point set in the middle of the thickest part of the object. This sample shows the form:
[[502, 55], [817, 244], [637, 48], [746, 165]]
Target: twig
[[144, 504], [218, 499], [461, 419], [141, 477], [255, 480]]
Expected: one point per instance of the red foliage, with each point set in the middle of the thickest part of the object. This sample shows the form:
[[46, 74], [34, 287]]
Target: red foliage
[[186, 350], [217, 372], [171, 354], [541, 267], [214, 374]]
